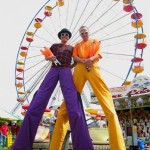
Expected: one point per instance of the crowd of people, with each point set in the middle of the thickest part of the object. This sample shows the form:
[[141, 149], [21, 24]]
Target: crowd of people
[[6, 127]]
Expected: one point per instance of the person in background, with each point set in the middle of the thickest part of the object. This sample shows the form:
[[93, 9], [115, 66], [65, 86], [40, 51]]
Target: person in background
[[49, 122], [3, 133], [17, 129], [87, 53], [102, 123], [52, 122], [13, 129], [46, 123]]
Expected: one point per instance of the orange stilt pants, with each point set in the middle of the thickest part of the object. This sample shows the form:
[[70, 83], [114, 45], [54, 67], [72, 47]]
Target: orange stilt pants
[[104, 97]]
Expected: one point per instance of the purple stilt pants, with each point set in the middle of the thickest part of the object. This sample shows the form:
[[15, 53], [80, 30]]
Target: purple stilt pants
[[80, 135]]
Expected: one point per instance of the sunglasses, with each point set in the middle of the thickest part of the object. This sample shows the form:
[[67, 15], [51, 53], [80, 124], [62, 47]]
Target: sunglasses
[[64, 34], [84, 33]]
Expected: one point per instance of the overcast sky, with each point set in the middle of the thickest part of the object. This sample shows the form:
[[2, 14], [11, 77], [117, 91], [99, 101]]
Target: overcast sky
[[15, 17]]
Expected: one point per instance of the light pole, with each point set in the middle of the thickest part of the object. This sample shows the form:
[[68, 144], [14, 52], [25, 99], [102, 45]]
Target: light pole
[[134, 145]]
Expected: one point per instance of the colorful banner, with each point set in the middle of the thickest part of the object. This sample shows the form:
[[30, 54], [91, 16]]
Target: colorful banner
[[139, 86]]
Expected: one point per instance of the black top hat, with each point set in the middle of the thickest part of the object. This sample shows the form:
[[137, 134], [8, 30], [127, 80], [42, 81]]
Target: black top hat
[[64, 31]]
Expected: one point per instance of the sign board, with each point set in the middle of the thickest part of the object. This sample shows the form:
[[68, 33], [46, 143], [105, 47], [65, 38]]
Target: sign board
[[139, 86]]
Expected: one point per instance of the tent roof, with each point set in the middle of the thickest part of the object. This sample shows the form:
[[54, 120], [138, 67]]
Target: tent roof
[[8, 116]]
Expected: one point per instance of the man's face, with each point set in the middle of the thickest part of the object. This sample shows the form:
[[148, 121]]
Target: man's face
[[6, 123], [84, 33], [56, 112], [64, 37]]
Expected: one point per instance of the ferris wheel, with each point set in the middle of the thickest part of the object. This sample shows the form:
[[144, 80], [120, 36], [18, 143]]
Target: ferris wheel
[[116, 23]]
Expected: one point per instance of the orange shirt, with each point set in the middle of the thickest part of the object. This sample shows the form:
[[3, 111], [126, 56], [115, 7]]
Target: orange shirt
[[87, 49]]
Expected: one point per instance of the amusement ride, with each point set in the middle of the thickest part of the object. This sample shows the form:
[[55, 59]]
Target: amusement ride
[[117, 24]]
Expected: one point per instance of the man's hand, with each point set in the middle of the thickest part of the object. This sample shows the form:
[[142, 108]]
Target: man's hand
[[52, 122], [51, 58], [88, 62], [78, 59], [82, 61], [41, 124]]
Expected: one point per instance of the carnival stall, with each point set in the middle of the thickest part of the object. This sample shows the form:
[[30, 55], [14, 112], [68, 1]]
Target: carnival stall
[[132, 104]]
